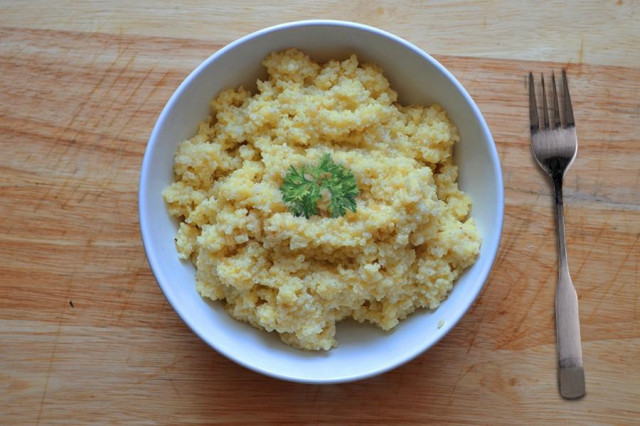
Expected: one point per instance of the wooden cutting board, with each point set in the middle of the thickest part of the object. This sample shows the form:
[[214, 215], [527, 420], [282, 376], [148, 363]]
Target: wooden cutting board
[[87, 336]]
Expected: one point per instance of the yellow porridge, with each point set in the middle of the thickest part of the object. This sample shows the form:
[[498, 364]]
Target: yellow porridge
[[408, 240]]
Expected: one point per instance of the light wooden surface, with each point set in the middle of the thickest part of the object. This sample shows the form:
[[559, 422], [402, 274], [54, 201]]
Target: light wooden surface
[[87, 336]]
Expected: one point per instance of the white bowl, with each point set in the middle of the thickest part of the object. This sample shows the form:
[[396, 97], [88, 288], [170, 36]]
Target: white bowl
[[364, 350]]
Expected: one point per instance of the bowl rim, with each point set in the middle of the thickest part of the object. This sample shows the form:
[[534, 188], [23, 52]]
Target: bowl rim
[[145, 230]]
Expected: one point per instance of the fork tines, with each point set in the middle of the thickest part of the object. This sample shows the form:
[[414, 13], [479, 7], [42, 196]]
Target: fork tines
[[564, 119]]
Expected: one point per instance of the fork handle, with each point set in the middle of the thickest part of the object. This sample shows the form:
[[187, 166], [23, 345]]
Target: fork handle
[[570, 367]]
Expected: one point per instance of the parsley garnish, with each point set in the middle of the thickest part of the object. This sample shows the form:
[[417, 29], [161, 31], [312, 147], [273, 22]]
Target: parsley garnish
[[302, 189]]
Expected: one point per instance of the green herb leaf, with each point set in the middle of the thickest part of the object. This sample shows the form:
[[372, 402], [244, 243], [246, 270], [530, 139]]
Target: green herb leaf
[[302, 189]]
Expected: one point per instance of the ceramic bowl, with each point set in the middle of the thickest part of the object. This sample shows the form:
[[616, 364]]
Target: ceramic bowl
[[363, 350]]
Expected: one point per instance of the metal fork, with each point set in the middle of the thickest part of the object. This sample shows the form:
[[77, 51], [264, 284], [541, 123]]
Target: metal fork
[[554, 147]]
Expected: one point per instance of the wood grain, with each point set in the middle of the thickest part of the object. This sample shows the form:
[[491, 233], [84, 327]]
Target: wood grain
[[594, 32], [87, 336]]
